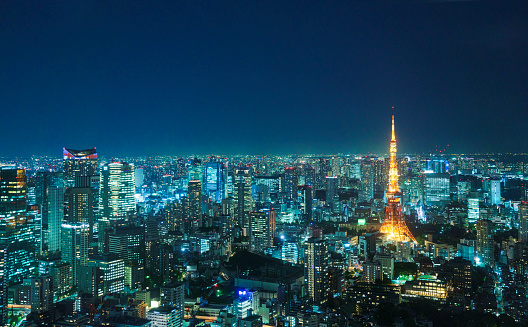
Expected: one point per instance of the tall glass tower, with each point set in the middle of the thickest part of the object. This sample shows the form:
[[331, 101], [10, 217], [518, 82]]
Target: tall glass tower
[[116, 195], [16, 226]]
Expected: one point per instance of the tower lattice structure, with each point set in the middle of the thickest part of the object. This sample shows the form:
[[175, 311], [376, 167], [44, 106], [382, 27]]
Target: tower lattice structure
[[393, 225]]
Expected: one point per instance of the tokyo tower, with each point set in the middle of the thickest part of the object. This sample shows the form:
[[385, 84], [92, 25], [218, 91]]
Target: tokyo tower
[[393, 225]]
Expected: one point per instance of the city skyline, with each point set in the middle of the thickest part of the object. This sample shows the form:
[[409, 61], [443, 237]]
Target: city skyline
[[184, 78]]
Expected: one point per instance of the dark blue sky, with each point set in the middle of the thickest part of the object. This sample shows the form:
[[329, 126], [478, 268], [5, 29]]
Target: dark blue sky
[[262, 77]]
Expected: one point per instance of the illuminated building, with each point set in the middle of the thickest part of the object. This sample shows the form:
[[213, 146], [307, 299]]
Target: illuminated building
[[393, 225], [243, 196], [306, 192], [195, 202], [473, 209], [367, 180], [116, 197], [368, 295], [291, 180], [78, 163], [49, 194], [436, 189], [214, 181], [41, 290], [16, 227], [165, 316], [113, 272], [127, 242], [331, 191], [428, 287], [75, 245], [261, 232], [62, 274], [523, 222], [485, 242], [3, 286], [173, 294], [290, 252], [316, 269], [495, 192]]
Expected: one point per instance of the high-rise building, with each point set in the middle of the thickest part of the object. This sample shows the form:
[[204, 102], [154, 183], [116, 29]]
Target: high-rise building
[[495, 191], [3, 286], [41, 293], [291, 180], [243, 196], [49, 195], [116, 196], [306, 202], [214, 181], [173, 294], [195, 202], [261, 230], [367, 179], [78, 163], [16, 227], [485, 242], [113, 272], [316, 269], [75, 245], [437, 189], [523, 222], [331, 191]]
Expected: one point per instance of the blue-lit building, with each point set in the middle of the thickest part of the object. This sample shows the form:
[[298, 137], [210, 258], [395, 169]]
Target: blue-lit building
[[215, 181], [16, 226]]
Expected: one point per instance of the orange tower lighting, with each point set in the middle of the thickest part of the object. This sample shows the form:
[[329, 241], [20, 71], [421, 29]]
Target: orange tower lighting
[[393, 225]]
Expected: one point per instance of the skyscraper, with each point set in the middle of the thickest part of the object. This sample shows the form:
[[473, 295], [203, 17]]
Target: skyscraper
[[495, 191], [214, 181], [485, 242], [78, 163], [291, 180], [523, 222], [50, 197], [316, 269], [243, 196], [195, 203], [16, 227], [116, 195], [261, 230]]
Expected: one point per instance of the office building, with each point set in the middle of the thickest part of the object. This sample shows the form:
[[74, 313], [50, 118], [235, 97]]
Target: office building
[[116, 196], [261, 231], [523, 222], [291, 181], [315, 269], [75, 245], [49, 196], [436, 188], [41, 293], [243, 196], [214, 181], [78, 163], [113, 272], [485, 243], [165, 316], [16, 227], [195, 203]]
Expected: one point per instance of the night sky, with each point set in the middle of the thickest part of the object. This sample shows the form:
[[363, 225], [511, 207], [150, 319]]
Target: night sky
[[262, 77]]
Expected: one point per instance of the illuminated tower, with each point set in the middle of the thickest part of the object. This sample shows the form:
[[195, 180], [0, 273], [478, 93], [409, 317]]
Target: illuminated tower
[[117, 189], [16, 226], [393, 225]]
